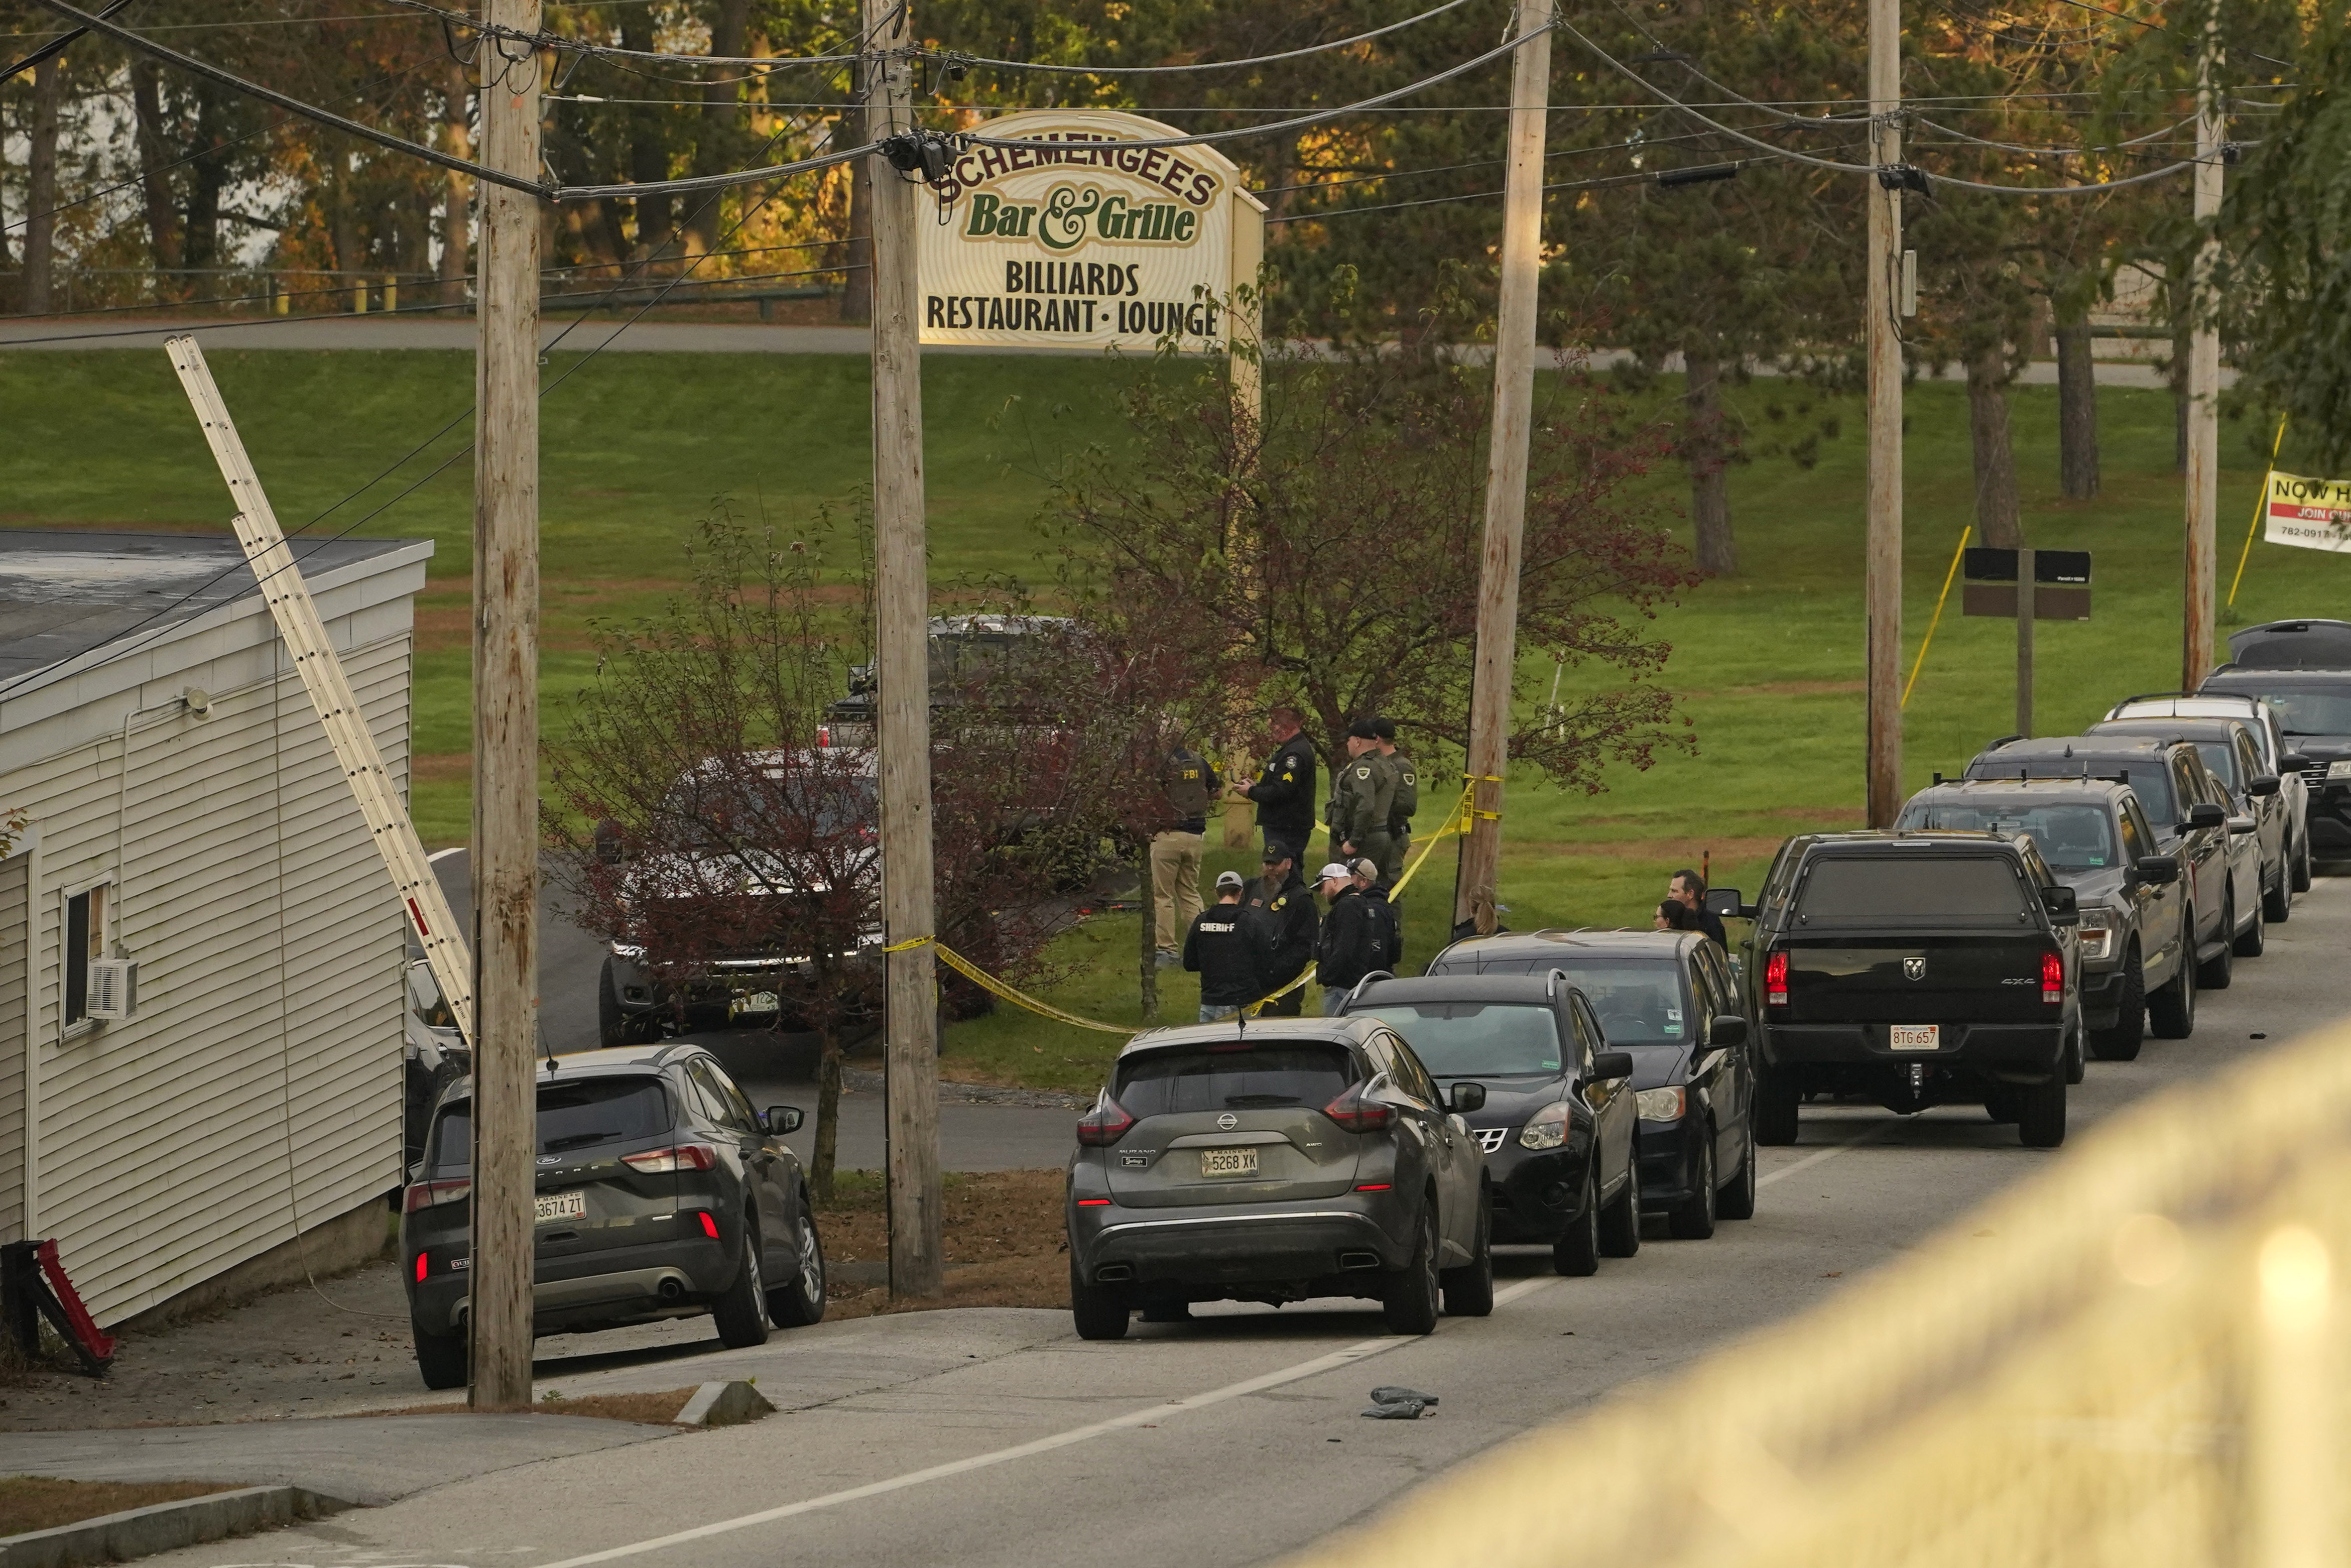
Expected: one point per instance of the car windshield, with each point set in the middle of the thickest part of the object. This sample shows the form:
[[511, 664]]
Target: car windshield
[[571, 1116], [1909, 889], [2149, 778], [2069, 837], [782, 813], [1235, 1076], [2309, 712], [1476, 1039]]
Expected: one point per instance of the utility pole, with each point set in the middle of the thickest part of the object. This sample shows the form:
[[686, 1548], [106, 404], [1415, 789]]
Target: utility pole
[[41, 190], [2025, 611], [901, 649], [506, 720], [1882, 569], [457, 199], [2196, 640], [1506, 467]]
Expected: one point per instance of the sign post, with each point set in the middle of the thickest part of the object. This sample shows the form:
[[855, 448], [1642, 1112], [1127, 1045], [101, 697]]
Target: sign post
[[2027, 585]]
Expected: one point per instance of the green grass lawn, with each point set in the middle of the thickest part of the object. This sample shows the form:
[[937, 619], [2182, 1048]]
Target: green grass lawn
[[1769, 662]]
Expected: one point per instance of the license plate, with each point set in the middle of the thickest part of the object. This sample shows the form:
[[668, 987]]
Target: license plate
[[1915, 1036], [756, 1002], [1227, 1162], [572, 1204]]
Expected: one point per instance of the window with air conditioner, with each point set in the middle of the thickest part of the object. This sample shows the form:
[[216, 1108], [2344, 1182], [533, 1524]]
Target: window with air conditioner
[[84, 940]]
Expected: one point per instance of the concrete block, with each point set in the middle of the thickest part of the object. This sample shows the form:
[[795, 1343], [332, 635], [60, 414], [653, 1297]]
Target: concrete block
[[712, 1404], [164, 1526]]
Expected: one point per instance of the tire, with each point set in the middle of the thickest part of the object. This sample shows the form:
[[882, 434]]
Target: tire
[[800, 1302], [2216, 974], [1469, 1289], [1735, 1199], [2255, 937], [1620, 1222], [1410, 1297], [1100, 1312], [741, 1311], [1692, 1220], [2299, 860], [2171, 1010], [1577, 1253], [2077, 1060], [439, 1357], [2121, 1043], [2277, 903], [1776, 1098], [2041, 1114]]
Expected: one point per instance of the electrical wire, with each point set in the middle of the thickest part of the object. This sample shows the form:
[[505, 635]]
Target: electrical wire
[[1651, 175], [1481, 163], [547, 40], [955, 57]]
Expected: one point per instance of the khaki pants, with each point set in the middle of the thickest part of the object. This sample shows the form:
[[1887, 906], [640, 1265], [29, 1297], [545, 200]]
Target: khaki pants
[[1174, 886]]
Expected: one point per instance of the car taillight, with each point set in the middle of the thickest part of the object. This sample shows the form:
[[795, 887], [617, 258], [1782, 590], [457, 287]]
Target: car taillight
[[678, 1157], [1104, 1125], [710, 1223], [1775, 980], [1356, 1114], [429, 1194], [420, 1267], [2052, 976]]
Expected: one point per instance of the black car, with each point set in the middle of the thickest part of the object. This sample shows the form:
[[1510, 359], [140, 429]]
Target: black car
[[1555, 1112], [1915, 970], [2233, 757], [662, 1194], [2094, 834], [2182, 801], [1276, 1162], [1670, 999], [2313, 710]]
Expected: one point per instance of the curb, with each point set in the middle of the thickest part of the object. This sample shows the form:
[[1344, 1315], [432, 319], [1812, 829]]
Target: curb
[[164, 1526], [712, 1404]]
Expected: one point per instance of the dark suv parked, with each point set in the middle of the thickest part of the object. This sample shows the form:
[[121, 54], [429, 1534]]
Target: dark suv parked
[[2096, 839], [1669, 997], [2313, 709], [1275, 1162], [662, 1194], [1556, 1117], [2233, 757]]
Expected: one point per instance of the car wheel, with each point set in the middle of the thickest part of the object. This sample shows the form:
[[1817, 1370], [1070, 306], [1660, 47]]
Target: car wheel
[[2171, 1010], [1692, 1220], [439, 1357], [2041, 1114], [1776, 1098], [1410, 1296], [1577, 1253], [2255, 937], [1736, 1198], [741, 1311], [2277, 903], [1620, 1222], [801, 1302], [2301, 860], [2216, 974], [1100, 1312], [2077, 1060], [2121, 1043], [1469, 1289]]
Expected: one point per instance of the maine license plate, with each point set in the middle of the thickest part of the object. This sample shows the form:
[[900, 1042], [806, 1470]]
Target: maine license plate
[[572, 1204], [1915, 1036], [1228, 1162]]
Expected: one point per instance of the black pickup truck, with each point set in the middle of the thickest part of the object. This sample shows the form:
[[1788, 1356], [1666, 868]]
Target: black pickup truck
[[1918, 970]]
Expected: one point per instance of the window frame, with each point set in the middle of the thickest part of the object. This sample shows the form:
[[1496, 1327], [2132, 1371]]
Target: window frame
[[73, 975]]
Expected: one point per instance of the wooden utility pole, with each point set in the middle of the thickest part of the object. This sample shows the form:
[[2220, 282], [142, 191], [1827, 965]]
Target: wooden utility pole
[[456, 190], [41, 190], [1882, 569], [2196, 640], [1506, 466], [505, 723], [902, 648], [2024, 613]]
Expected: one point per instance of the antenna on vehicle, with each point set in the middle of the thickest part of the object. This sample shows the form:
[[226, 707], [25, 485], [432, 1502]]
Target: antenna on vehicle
[[1939, 778]]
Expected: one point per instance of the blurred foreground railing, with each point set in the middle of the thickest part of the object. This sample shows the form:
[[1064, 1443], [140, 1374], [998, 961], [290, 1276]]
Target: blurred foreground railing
[[2140, 1366]]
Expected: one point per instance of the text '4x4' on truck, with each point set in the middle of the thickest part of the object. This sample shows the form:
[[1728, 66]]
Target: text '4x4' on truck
[[1915, 969]]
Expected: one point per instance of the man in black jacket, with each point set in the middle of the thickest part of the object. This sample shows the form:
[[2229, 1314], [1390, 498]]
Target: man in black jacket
[[1285, 927], [1384, 916], [1223, 950], [1284, 792], [1349, 946]]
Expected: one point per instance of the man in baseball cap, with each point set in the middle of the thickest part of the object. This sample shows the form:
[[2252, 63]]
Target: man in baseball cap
[[1284, 935], [1349, 946], [1223, 950]]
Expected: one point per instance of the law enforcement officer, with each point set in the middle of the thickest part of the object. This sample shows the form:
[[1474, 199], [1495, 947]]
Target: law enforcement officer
[[1284, 791], [1222, 948], [1192, 783], [1350, 941], [1286, 926], [1382, 913], [1406, 804], [1367, 802]]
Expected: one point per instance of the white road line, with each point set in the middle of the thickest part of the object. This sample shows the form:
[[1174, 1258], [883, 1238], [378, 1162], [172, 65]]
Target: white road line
[[438, 855], [1831, 1152], [1149, 1415]]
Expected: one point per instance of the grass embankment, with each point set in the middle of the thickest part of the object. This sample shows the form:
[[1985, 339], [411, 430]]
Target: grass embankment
[[1006, 1244], [36, 1502], [1768, 663]]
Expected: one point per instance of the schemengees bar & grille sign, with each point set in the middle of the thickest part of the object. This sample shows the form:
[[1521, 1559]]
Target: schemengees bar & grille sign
[[1089, 241]]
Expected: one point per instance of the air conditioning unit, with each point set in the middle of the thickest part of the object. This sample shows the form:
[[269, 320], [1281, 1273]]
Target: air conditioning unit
[[113, 989]]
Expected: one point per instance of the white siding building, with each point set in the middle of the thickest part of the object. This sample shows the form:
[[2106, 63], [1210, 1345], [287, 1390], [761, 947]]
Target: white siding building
[[186, 813]]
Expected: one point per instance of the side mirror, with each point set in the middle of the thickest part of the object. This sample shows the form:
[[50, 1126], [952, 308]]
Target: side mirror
[[1608, 1064], [781, 1119], [1723, 904], [1730, 1030], [608, 842], [2059, 899], [2157, 871], [2242, 825], [2205, 814], [1468, 1097], [2266, 784], [2293, 762]]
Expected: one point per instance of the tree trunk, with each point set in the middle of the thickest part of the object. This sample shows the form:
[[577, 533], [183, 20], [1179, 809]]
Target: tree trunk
[[457, 199], [41, 190], [1704, 450], [1996, 508], [827, 1152], [730, 26], [146, 108], [857, 283], [648, 155], [1150, 946], [2077, 408]]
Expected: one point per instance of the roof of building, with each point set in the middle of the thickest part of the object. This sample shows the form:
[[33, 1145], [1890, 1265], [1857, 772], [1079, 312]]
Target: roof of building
[[68, 593]]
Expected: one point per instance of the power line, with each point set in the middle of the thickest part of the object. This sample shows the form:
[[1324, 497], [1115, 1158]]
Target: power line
[[954, 57], [1646, 175], [1481, 163]]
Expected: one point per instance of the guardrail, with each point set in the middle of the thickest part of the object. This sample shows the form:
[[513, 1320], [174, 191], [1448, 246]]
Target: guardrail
[[2142, 1366]]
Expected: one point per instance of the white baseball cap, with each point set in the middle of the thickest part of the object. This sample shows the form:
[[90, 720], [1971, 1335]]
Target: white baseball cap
[[1335, 870]]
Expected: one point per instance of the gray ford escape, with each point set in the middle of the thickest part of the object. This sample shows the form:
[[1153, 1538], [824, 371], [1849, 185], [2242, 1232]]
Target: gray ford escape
[[1274, 1162]]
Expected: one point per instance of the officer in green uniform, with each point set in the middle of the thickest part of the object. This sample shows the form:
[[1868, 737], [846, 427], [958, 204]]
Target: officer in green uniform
[[1407, 803], [1367, 802]]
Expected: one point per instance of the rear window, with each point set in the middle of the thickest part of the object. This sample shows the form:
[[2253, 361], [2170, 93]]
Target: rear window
[[2150, 780], [577, 1115], [1233, 1078], [1476, 1039], [1852, 889], [2070, 837]]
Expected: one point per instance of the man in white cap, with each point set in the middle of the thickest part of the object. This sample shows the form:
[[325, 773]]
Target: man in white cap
[[1225, 953], [1350, 945]]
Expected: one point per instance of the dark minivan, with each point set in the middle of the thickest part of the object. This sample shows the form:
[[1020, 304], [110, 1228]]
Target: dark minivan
[[662, 1194]]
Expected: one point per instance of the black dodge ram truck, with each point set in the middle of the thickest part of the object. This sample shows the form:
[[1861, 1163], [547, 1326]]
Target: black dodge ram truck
[[1919, 970]]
